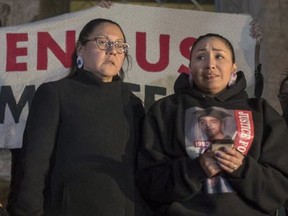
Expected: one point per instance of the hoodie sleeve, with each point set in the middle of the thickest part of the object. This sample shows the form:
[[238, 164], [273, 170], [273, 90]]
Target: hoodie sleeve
[[263, 178], [165, 172], [27, 192]]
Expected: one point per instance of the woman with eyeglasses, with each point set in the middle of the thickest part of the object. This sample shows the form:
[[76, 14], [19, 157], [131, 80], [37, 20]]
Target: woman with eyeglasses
[[78, 155]]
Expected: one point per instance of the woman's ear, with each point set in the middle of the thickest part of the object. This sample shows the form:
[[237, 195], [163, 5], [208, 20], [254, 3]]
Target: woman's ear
[[79, 49], [189, 68], [190, 75], [190, 78], [233, 76], [234, 68]]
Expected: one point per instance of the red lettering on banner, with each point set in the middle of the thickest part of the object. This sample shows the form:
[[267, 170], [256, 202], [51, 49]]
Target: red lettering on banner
[[245, 130], [141, 48], [13, 52], [45, 42], [185, 48]]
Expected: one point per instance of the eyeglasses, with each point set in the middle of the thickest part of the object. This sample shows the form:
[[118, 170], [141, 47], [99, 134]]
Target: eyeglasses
[[105, 44]]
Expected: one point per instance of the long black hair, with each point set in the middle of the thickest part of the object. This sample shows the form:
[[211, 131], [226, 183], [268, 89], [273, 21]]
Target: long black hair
[[84, 35]]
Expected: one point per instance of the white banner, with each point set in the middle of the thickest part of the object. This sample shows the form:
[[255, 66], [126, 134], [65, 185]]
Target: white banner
[[159, 39]]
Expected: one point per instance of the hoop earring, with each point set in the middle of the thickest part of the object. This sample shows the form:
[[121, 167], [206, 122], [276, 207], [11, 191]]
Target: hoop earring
[[79, 62], [233, 79]]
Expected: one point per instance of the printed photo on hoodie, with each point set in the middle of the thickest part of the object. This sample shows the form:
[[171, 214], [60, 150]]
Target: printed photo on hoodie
[[204, 125]]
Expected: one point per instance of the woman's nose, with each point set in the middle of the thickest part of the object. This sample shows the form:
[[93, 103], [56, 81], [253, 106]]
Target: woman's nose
[[210, 63], [111, 50]]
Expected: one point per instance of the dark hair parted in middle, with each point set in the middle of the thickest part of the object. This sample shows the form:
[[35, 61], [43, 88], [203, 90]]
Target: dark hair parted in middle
[[86, 31]]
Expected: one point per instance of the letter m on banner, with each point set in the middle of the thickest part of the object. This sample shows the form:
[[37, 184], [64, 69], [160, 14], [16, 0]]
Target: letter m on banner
[[7, 98]]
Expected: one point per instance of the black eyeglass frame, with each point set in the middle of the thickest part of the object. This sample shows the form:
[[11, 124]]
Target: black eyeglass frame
[[108, 44]]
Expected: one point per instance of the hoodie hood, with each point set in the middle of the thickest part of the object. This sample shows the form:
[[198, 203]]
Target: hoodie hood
[[182, 85]]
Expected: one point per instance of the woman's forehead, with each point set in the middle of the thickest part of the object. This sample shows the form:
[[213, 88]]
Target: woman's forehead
[[216, 43], [108, 29]]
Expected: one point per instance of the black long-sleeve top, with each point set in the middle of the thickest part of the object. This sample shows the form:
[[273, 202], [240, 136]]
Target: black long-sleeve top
[[78, 154]]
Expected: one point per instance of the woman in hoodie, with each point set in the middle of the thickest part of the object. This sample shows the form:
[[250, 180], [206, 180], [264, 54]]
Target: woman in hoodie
[[179, 170]]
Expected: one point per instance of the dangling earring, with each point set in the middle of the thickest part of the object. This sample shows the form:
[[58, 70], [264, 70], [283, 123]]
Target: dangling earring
[[233, 79], [79, 62]]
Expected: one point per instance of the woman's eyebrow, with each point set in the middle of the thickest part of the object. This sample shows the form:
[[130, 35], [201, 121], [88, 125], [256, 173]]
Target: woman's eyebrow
[[214, 49]]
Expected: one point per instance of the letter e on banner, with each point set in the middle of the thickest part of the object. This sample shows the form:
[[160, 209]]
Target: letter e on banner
[[13, 51]]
